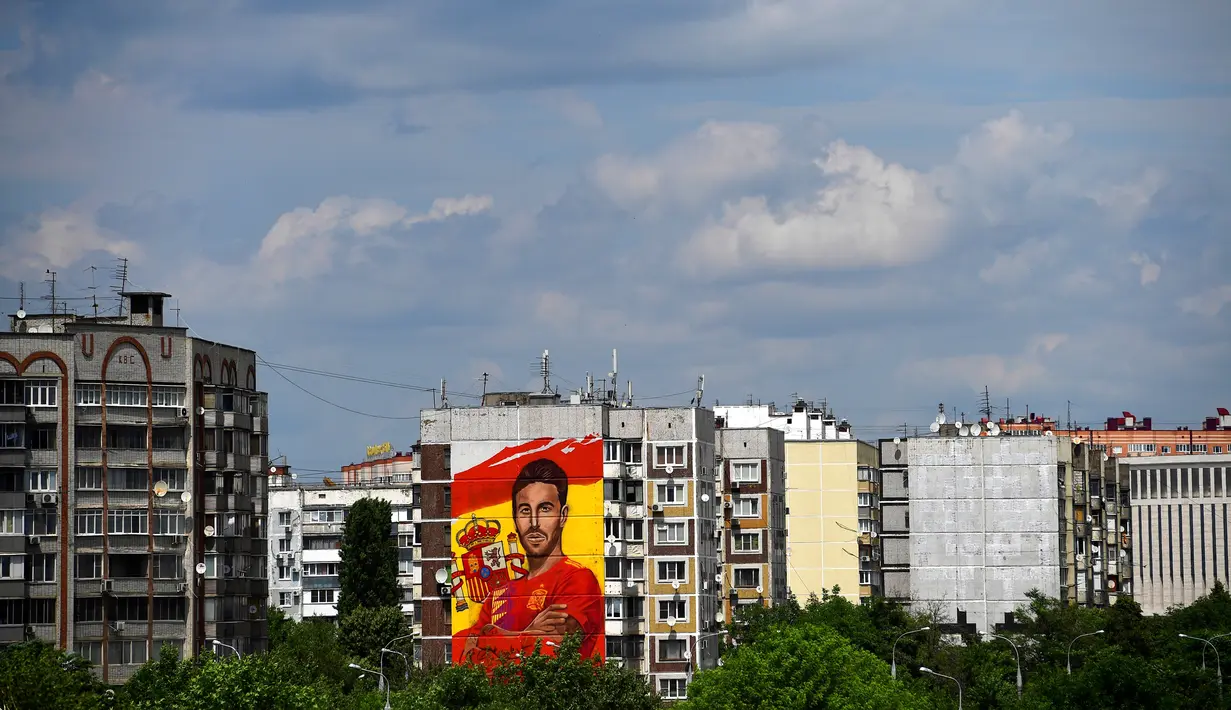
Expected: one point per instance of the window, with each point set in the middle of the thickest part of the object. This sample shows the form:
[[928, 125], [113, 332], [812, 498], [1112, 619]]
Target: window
[[865, 500], [42, 393], [12, 436], [175, 478], [408, 539], [406, 566], [91, 651], [89, 566], [671, 534], [89, 394], [126, 437], [676, 609], [12, 566], [634, 492], [614, 528], [89, 478], [747, 507], [746, 472], [634, 530], [41, 481], [613, 568], [673, 688], [284, 545], [128, 479], [131, 609], [320, 569], [89, 521], [669, 455], [1218, 448], [865, 578], [41, 522], [747, 577], [169, 438], [89, 437], [672, 649], [611, 451], [166, 396], [632, 452], [284, 517], [672, 571], [42, 438], [12, 522], [1141, 448], [615, 607], [127, 395], [170, 609], [127, 652], [88, 609], [321, 596], [747, 542], [42, 568], [285, 599], [634, 569], [12, 392], [670, 494], [168, 567], [127, 522], [325, 516]]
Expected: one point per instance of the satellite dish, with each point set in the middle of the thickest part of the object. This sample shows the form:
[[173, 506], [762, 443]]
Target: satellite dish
[[935, 427], [273, 469], [209, 531], [675, 584], [963, 430], [940, 418], [670, 470], [200, 568], [720, 660], [226, 570], [993, 429], [21, 313], [1105, 456], [897, 440], [705, 497], [252, 608], [975, 429], [186, 496], [671, 623], [610, 539], [201, 411], [1048, 433], [160, 489], [719, 617], [442, 575]]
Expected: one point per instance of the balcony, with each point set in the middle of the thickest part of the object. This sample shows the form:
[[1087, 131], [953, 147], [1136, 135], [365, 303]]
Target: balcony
[[1096, 503], [330, 582], [613, 509], [1096, 534]]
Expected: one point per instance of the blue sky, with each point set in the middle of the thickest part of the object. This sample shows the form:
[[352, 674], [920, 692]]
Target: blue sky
[[884, 203]]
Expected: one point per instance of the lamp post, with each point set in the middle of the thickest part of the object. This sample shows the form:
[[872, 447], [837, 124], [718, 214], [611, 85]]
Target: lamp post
[[358, 667], [1018, 657], [1068, 662], [383, 651], [942, 675], [1212, 640], [1217, 660], [893, 652], [218, 643], [386, 648]]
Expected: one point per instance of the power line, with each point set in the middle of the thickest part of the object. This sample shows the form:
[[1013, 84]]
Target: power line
[[365, 380], [315, 396]]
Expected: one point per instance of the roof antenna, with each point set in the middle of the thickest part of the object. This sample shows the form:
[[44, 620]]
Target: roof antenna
[[444, 395], [545, 371], [615, 389], [700, 391]]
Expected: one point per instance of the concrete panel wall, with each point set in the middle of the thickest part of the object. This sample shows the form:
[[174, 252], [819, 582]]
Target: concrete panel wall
[[895, 550]]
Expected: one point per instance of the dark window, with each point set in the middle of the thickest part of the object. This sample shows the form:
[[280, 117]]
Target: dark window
[[126, 437], [88, 609], [12, 479], [12, 392], [169, 438], [89, 437], [170, 608], [43, 437], [40, 611], [132, 609]]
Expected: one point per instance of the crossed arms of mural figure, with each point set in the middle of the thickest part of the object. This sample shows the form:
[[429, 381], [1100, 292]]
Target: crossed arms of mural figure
[[551, 624]]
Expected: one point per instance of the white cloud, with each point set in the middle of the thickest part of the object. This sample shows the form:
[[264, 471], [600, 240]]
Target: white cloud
[[1010, 146], [1207, 303], [60, 237], [306, 242], [1150, 270], [871, 213], [1015, 267], [1008, 375], [715, 155], [574, 109], [1126, 203]]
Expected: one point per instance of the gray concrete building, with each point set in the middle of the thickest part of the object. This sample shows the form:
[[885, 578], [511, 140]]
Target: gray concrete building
[[1181, 514], [971, 524], [132, 487]]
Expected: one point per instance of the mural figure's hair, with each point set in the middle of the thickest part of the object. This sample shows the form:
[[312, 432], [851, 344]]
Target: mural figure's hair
[[542, 471]]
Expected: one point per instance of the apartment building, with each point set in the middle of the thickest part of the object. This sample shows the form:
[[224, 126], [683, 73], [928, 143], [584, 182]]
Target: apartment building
[[1180, 509], [307, 522], [972, 523], [833, 494], [642, 532], [753, 531], [1128, 435], [132, 487]]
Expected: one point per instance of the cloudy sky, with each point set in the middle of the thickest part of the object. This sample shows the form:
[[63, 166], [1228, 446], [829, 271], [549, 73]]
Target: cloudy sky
[[885, 203]]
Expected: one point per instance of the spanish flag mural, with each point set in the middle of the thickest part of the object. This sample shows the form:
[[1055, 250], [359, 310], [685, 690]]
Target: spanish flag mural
[[528, 551]]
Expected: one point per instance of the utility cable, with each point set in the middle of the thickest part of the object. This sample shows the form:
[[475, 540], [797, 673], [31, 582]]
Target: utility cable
[[315, 396]]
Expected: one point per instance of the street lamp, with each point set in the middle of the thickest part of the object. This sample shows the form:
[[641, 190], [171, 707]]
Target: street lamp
[[1212, 639], [942, 675], [1217, 660], [358, 667], [1016, 655], [385, 649], [893, 652], [1068, 662], [218, 643]]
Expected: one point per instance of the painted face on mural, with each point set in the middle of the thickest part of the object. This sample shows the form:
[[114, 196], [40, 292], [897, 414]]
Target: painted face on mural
[[540, 518]]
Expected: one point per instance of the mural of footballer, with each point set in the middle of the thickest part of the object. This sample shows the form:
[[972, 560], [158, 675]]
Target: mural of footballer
[[556, 598]]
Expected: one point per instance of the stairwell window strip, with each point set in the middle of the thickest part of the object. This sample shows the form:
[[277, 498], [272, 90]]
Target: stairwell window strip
[[42, 393]]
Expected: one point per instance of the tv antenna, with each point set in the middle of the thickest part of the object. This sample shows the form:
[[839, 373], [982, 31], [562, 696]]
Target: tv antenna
[[613, 391], [93, 288], [121, 274], [700, 391], [985, 407], [52, 297], [545, 371]]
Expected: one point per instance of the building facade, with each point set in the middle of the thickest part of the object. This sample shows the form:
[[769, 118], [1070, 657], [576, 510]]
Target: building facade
[[1129, 436], [307, 522], [1180, 509], [974, 523], [832, 499], [643, 519], [753, 550], [132, 488]]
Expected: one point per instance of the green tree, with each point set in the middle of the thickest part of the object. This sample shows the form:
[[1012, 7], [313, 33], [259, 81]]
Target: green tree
[[567, 681], [159, 683], [803, 666], [366, 630], [369, 569], [35, 675]]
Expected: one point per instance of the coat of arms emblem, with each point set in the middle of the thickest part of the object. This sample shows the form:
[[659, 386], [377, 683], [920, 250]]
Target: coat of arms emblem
[[486, 563]]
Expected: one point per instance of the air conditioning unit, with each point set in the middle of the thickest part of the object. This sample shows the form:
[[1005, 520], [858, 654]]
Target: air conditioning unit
[[31, 499], [183, 412], [657, 507], [181, 587], [728, 504], [718, 534], [105, 586], [34, 539], [49, 499], [118, 626]]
